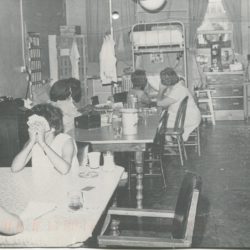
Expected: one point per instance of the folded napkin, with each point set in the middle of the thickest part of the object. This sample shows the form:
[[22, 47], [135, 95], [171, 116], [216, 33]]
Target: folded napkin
[[37, 119], [36, 209]]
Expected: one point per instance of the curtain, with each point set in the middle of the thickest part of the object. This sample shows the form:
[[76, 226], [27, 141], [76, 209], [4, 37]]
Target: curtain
[[98, 23], [122, 27], [233, 10], [197, 11]]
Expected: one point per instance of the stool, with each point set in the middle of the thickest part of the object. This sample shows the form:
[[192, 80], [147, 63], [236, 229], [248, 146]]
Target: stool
[[204, 97]]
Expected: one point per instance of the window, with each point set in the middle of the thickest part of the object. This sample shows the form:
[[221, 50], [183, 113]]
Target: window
[[214, 37], [215, 27]]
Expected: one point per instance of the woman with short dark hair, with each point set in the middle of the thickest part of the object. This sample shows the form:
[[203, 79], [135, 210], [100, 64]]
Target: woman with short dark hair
[[172, 91], [64, 94], [53, 153]]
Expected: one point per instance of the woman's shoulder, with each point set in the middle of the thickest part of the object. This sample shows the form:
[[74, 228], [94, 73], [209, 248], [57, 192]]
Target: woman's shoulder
[[62, 137]]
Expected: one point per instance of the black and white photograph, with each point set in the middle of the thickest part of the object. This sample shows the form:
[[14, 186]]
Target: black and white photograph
[[124, 124]]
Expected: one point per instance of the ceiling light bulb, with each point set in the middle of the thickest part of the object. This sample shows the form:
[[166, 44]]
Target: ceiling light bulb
[[152, 5], [115, 15]]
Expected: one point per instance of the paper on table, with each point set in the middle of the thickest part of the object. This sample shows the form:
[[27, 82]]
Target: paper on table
[[36, 209]]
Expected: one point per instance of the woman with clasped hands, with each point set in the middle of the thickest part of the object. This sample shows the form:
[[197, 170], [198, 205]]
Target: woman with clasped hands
[[53, 153]]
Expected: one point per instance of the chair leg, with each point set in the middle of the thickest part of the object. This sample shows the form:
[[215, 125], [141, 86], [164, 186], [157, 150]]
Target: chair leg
[[198, 142], [180, 150], [163, 174], [129, 173], [184, 148]]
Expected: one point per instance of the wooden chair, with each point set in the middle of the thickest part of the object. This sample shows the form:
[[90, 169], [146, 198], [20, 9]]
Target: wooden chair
[[154, 151], [194, 141], [176, 133], [183, 219]]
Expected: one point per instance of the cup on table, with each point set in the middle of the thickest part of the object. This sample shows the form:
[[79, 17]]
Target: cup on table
[[75, 200], [109, 163], [94, 159], [117, 129]]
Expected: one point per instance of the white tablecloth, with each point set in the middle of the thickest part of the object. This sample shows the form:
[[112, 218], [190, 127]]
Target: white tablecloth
[[60, 227]]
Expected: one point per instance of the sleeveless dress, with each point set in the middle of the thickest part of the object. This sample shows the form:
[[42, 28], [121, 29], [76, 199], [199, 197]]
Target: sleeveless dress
[[50, 185], [193, 115]]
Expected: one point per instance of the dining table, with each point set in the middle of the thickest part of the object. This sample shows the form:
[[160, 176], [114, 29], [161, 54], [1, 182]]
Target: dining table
[[49, 225], [105, 139]]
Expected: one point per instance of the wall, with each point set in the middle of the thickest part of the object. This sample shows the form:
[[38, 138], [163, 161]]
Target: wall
[[171, 11], [44, 17], [245, 17], [76, 15], [12, 82]]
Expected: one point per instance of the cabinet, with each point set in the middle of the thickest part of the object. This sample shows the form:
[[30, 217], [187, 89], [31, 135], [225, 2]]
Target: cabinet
[[68, 58], [228, 94], [13, 131]]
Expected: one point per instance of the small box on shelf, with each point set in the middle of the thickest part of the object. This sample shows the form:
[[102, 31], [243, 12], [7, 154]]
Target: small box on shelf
[[70, 30]]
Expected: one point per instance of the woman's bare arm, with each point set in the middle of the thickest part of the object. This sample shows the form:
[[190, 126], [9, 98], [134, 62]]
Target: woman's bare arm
[[10, 224]]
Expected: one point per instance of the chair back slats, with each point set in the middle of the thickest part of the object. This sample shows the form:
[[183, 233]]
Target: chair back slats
[[181, 114], [190, 183], [160, 131]]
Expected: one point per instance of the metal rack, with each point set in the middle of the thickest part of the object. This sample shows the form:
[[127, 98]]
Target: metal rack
[[160, 38]]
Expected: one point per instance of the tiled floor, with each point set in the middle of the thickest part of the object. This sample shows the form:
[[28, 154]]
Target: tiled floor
[[223, 217]]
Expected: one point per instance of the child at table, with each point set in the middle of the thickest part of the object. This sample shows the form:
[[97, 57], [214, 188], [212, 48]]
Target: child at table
[[53, 153], [139, 81]]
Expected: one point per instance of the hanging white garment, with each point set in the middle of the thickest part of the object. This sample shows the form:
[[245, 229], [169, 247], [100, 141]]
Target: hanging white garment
[[108, 61], [74, 59]]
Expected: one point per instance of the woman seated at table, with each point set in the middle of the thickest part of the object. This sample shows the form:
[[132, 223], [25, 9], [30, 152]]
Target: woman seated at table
[[53, 153], [139, 81], [10, 224], [172, 91], [64, 94]]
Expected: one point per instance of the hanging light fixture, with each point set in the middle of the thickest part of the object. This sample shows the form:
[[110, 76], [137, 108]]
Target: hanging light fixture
[[152, 5], [115, 15]]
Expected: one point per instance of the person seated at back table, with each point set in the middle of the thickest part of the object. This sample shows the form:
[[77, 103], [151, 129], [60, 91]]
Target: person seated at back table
[[10, 224], [139, 81], [53, 153], [172, 91], [64, 94]]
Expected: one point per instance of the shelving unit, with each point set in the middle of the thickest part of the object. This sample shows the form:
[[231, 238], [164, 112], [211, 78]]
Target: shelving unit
[[33, 60], [158, 40], [60, 51]]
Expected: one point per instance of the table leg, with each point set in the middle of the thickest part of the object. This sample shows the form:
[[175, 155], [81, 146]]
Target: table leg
[[150, 164], [139, 178], [114, 226]]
